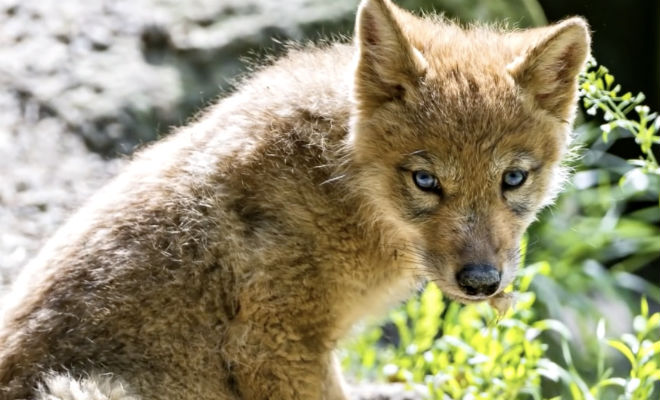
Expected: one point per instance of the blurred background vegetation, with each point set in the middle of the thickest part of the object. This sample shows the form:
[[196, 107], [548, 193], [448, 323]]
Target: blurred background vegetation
[[85, 83], [587, 324]]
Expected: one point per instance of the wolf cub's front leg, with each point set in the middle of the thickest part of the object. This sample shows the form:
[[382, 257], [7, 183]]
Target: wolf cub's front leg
[[334, 387], [290, 375], [93, 387]]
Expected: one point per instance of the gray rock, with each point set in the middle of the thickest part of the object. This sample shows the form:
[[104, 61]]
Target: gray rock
[[119, 73], [386, 391], [46, 173]]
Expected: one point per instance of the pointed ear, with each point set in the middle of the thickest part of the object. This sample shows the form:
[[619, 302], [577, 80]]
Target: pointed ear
[[549, 70], [387, 65]]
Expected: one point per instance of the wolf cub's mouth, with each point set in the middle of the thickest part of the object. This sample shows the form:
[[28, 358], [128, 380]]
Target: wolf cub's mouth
[[470, 299], [499, 300]]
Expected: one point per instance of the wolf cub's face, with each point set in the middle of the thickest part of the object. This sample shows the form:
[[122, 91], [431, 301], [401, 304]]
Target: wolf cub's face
[[458, 136]]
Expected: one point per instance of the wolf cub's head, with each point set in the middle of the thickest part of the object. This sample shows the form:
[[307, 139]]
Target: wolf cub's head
[[458, 134]]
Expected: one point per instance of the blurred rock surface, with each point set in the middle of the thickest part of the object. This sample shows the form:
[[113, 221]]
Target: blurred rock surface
[[119, 72]]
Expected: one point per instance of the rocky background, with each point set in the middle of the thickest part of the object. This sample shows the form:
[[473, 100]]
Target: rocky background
[[83, 83]]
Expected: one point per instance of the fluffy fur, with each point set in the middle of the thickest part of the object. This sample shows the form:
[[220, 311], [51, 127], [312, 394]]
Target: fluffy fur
[[227, 260]]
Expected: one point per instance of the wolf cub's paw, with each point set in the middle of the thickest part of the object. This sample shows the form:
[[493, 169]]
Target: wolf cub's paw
[[94, 387]]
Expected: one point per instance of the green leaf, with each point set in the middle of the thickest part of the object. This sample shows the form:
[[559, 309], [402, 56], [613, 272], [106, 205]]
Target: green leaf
[[600, 329], [609, 79], [620, 382], [575, 391], [644, 307], [553, 324], [624, 350], [428, 322]]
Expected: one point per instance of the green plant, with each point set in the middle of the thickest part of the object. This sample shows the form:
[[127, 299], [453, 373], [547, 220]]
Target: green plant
[[475, 356], [591, 221], [481, 359], [599, 92], [642, 350]]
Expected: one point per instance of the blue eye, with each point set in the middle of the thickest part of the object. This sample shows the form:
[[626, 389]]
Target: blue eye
[[513, 179], [425, 181]]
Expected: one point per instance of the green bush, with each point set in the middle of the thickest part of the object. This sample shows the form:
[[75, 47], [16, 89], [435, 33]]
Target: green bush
[[586, 250], [479, 358]]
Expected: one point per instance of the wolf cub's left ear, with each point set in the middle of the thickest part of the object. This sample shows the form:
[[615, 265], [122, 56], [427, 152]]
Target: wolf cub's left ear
[[549, 69], [388, 66]]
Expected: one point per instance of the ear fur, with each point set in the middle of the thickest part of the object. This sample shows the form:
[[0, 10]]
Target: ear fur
[[387, 64], [549, 69]]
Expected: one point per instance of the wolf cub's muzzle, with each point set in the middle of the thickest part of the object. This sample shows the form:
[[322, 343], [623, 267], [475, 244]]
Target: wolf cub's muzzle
[[478, 279]]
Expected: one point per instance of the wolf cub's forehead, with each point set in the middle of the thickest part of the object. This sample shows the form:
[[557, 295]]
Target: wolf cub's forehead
[[464, 105], [470, 63], [467, 87], [484, 47], [477, 159], [472, 84]]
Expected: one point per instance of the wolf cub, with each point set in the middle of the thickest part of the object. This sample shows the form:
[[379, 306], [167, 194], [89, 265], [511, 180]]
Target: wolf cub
[[226, 261]]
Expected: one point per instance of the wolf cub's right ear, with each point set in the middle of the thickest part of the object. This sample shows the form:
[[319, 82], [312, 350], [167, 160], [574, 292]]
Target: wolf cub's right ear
[[388, 65]]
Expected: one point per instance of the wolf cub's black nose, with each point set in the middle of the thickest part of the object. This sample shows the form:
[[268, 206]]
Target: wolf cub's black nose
[[478, 279]]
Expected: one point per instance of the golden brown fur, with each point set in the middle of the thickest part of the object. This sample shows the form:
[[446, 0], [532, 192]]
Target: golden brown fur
[[227, 260]]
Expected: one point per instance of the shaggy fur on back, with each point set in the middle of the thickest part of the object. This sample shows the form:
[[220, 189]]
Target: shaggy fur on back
[[226, 261]]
